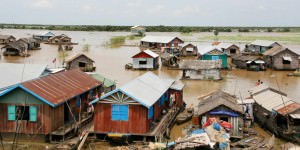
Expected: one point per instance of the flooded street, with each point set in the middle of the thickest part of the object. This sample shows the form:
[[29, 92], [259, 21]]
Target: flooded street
[[110, 62]]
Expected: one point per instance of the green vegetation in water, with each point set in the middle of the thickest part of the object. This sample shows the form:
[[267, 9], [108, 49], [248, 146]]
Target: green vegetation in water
[[86, 47], [134, 37], [63, 54], [295, 39], [116, 41], [186, 34]]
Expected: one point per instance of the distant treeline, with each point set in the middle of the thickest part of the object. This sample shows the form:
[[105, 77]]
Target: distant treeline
[[160, 28]]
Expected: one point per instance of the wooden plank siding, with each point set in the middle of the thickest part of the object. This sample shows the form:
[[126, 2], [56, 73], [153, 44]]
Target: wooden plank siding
[[48, 119], [137, 120]]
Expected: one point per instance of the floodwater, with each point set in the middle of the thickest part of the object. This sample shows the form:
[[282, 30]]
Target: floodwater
[[110, 62]]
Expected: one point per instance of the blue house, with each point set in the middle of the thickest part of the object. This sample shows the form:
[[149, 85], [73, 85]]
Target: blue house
[[213, 53]]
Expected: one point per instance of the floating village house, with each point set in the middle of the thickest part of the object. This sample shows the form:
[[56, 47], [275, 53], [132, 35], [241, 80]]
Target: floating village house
[[17, 48], [156, 42], [249, 62], [169, 60], [281, 58], [260, 46], [274, 110], [228, 48], [108, 84], [144, 107], [32, 44], [201, 69], [189, 49], [223, 106], [16, 73], [51, 106], [145, 60], [5, 39], [80, 61], [214, 53], [44, 36], [138, 30], [60, 39]]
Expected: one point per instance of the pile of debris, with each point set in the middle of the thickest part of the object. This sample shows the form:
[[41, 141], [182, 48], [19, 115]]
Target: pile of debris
[[212, 136]]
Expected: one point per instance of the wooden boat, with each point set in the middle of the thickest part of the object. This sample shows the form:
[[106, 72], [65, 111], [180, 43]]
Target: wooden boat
[[185, 116]]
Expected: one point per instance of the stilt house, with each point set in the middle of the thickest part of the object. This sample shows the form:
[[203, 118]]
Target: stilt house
[[156, 42], [145, 60], [223, 106], [52, 105], [277, 112], [281, 58], [201, 69], [144, 106]]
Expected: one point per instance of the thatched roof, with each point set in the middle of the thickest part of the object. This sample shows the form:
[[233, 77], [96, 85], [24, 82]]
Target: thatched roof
[[200, 64], [71, 58], [276, 50], [6, 36], [19, 45], [218, 98], [246, 58]]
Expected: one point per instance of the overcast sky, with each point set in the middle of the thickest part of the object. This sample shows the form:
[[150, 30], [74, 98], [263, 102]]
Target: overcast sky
[[153, 12]]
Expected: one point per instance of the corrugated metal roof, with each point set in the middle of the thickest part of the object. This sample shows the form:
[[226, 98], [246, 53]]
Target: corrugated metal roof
[[265, 43], [287, 108], [60, 87], [152, 54], [271, 100], [158, 39], [106, 82], [45, 33], [178, 85], [145, 89], [13, 73], [295, 116], [258, 89]]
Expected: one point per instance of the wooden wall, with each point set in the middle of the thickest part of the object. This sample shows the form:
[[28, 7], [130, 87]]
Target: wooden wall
[[74, 64], [48, 119], [137, 120], [277, 61]]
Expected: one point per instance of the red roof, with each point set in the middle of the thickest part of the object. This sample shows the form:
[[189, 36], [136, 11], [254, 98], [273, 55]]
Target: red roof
[[60, 87], [289, 108]]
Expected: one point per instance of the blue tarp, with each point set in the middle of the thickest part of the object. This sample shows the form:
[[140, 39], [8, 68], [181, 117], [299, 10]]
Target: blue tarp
[[223, 112], [198, 131]]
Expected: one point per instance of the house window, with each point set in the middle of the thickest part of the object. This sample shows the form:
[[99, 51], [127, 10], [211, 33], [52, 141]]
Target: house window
[[22, 112], [286, 60], [224, 119], [28, 113], [215, 57], [143, 61], [82, 64], [119, 112], [232, 51]]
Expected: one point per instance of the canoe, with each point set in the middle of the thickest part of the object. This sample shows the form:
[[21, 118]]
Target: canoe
[[185, 116]]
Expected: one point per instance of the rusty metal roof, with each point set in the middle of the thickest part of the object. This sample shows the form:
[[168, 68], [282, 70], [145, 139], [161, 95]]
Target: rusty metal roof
[[288, 109], [60, 87]]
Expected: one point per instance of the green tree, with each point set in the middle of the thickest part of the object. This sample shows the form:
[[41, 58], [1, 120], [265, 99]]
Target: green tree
[[216, 33]]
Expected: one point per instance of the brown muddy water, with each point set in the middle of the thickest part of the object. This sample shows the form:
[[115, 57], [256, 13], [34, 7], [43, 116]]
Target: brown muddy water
[[110, 62]]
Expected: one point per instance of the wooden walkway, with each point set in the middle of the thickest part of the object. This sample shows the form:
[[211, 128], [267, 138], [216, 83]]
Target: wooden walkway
[[69, 128], [165, 122]]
